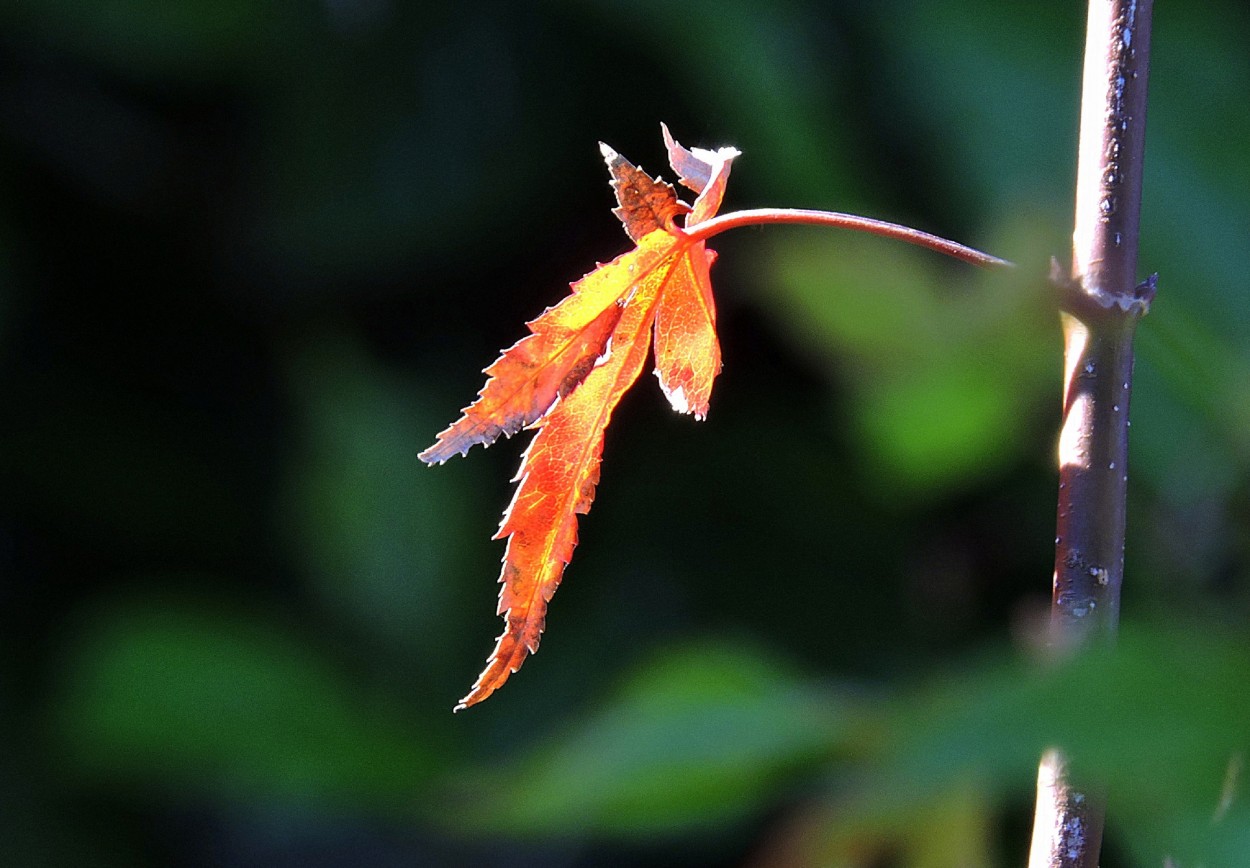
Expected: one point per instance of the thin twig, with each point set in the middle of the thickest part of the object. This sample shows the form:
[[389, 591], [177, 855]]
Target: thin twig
[[765, 216]]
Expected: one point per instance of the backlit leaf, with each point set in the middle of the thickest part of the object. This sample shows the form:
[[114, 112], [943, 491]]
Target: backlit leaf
[[536, 371], [566, 378]]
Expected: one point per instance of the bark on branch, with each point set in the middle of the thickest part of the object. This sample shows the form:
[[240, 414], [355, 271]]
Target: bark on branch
[[1101, 303]]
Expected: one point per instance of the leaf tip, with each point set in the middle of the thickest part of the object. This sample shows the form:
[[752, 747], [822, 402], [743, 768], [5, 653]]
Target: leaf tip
[[441, 452], [676, 394], [428, 459]]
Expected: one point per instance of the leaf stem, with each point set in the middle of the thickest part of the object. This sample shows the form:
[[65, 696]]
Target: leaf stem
[[1101, 304], [767, 216]]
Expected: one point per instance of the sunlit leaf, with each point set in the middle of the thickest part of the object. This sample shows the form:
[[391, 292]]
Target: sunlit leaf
[[566, 378]]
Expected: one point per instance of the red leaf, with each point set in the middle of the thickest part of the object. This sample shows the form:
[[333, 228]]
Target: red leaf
[[645, 203], [558, 476], [687, 353], [567, 377], [533, 373]]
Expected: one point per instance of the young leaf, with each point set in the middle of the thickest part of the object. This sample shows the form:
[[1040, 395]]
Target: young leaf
[[568, 375], [687, 353], [645, 204], [556, 483], [533, 373], [693, 167]]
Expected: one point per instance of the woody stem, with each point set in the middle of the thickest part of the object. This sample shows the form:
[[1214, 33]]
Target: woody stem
[[1101, 303]]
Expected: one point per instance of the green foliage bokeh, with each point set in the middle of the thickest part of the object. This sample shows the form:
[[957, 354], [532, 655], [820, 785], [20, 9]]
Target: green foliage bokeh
[[253, 257]]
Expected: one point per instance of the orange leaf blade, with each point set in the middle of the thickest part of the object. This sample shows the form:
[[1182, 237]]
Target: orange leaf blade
[[566, 378], [564, 343], [687, 353], [558, 476]]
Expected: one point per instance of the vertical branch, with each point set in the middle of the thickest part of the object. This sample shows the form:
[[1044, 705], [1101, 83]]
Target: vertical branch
[[1101, 304]]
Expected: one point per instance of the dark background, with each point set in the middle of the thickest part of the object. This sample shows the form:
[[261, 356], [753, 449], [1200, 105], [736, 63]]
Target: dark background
[[252, 258]]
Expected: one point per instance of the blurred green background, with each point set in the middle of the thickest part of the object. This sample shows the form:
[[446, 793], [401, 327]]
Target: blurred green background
[[252, 258]]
